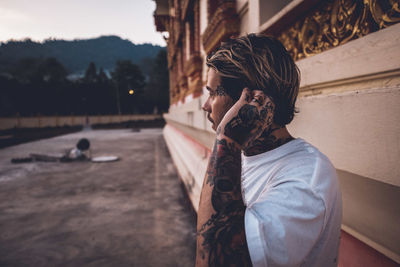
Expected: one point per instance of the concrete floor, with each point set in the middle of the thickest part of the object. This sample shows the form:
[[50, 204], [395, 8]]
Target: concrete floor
[[126, 213]]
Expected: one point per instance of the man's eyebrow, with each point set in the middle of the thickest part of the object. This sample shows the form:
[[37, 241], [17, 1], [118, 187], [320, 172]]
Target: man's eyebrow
[[209, 88]]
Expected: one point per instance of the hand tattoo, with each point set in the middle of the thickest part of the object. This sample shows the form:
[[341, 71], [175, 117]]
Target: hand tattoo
[[249, 122]]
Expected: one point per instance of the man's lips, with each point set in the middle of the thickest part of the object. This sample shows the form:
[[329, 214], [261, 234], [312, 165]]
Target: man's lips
[[209, 118]]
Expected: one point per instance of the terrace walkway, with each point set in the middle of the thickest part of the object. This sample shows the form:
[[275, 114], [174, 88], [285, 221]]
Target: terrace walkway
[[130, 212]]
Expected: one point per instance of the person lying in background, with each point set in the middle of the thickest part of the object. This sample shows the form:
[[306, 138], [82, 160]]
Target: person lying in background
[[80, 152]]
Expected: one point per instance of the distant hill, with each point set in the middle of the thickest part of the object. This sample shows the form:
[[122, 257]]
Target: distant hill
[[76, 55]]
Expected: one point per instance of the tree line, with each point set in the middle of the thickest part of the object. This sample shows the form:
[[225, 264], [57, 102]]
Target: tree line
[[75, 55], [41, 86]]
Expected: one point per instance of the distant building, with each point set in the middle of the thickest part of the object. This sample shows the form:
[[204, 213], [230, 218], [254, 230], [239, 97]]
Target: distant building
[[75, 76], [349, 102]]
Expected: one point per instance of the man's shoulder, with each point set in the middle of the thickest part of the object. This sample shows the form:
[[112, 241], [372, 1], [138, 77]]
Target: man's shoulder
[[309, 169], [304, 165], [307, 164], [297, 164], [297, 155]]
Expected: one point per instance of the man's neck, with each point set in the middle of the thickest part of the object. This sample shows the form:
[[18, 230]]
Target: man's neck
[[268, 140]]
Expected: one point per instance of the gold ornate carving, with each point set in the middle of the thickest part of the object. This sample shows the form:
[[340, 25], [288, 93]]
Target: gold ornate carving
[[184, 75], [195, 86], [183, 86], [185, 6], [161, 22], [177, 31], [194, 64], [385, 13], [176, 96], [336, 22], [223, 24], [193, 69]]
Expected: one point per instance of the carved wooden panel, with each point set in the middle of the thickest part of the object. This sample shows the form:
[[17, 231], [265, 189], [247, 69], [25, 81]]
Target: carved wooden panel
[[223, 24], [335, 22]]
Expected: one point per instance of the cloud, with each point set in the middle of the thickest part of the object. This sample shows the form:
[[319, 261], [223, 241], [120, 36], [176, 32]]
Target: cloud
[[10, 15], [13, 24]]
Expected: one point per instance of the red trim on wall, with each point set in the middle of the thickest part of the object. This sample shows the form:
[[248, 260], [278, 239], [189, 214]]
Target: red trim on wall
[[354, 253]]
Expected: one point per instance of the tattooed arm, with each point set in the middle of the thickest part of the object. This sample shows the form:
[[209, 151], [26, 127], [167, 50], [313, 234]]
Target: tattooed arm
[[221, 239]]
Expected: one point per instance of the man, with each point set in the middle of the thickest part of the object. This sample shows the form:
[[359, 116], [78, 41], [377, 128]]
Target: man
[[268, 199]]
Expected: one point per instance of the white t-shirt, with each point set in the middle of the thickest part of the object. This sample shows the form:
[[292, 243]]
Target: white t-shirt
[[293, 207]]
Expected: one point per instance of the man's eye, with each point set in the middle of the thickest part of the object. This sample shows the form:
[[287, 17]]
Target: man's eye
[[212, 93]]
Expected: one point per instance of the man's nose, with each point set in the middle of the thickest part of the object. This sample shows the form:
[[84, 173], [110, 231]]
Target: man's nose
[[206, 106]]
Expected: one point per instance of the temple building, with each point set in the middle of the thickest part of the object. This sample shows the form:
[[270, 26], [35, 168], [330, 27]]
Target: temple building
[[349, 101]]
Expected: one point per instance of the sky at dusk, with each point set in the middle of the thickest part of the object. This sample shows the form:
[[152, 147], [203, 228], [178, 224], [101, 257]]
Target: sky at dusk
[[78, 19]]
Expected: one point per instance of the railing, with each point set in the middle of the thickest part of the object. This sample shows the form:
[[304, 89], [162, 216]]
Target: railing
[[60, 121]]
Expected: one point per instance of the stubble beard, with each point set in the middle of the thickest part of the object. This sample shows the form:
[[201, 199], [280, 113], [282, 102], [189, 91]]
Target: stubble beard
[[211, 120]]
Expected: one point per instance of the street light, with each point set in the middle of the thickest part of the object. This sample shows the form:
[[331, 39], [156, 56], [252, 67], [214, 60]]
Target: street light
[[131, 92]]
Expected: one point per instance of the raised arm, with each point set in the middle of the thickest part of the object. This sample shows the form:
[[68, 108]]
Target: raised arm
[[221, 239]]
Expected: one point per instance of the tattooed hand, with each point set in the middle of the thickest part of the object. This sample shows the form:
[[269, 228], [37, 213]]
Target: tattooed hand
[[248, 118]]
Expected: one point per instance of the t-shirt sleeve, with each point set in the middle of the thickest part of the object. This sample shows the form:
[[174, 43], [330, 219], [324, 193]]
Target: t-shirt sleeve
[[283, 224]]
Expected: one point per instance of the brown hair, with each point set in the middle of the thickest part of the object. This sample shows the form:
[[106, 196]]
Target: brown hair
[[259, 62]]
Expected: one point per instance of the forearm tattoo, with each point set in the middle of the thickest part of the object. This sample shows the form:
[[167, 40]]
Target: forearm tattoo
[[223, 234], [250, 122]]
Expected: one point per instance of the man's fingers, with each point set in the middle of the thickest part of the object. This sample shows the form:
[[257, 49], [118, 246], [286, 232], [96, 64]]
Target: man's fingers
[[257, 92], [261, 99], [257, 98], [246, 95]]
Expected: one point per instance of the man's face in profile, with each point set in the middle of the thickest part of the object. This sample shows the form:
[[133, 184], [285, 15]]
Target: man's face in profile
[[218, 101]]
